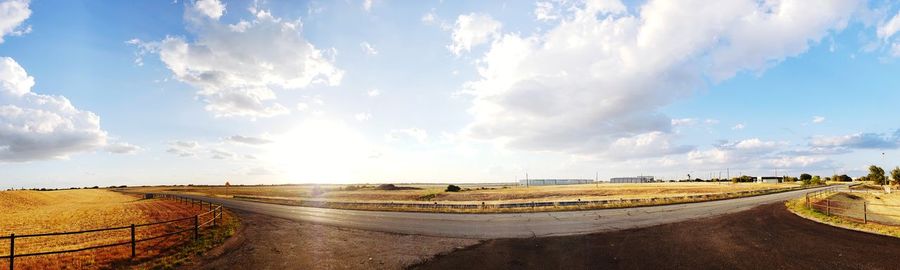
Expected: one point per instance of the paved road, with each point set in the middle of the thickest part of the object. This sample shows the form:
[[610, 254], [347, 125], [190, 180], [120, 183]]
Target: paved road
[[518, 225]]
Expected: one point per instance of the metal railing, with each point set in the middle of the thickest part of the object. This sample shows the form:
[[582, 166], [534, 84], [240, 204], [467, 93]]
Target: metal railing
[[821, 201], [214, 213]]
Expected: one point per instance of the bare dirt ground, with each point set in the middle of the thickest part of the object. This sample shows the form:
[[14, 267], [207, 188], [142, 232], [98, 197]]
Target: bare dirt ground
[[766, 237], [273, 243]]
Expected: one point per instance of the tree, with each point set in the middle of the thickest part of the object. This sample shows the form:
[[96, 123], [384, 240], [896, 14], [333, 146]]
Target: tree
[[806, 178], [816, 180], [895, 174], [843, 178], [876, 174], [453, 188]]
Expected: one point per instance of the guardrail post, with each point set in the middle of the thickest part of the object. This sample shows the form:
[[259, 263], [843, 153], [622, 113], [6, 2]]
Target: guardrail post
[[133, 243], [197, 227], [12, 250]]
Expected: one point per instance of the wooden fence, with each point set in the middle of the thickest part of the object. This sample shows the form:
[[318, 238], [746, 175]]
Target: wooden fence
[[214, 214], [862, 212]]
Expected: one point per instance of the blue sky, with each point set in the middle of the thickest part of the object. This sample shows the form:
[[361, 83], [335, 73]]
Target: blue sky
[[429, 91]]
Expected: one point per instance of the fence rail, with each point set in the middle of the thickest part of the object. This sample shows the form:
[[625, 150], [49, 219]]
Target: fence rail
[[821, 201], [215, 213], [523, 205]]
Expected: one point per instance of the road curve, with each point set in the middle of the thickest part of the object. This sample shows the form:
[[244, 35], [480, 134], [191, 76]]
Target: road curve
[[512, 225]]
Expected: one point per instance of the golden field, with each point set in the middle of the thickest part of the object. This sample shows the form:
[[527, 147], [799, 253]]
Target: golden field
[[31, 212], [472, 193]]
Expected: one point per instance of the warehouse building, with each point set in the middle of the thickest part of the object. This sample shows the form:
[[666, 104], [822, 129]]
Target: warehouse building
[[770, 179], [550, 182], [638, 179]]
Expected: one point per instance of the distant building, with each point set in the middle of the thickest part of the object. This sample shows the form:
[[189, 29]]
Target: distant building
[[770, 179], [550, 182], [638, 179]]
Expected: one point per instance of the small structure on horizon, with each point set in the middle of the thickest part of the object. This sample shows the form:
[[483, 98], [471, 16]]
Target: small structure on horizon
[[770, 179], [634, 179], [551, 182]]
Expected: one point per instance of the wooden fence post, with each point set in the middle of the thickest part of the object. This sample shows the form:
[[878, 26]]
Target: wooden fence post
[[197, 227], [827, 207], [12, 250], [133, 243], [865, 214], [807, 200]]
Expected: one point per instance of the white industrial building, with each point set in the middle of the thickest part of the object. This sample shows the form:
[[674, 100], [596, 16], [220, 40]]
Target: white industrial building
[[770, 179], [550, 182], [638, 179]]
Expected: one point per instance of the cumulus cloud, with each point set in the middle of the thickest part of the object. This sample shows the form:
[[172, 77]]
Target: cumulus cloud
[[12, 14], [236, 68], [248, 140], [603, 72], [739, 126], [122, 148], [211, 8], [416, 134], [472, 30], [183, 148], [373, 93], [651, 144], [37, 127], [858, 141], [736, 152], [367, 5]]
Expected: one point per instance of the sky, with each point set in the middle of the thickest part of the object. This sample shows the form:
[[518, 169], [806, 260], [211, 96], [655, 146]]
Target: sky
[[376, 91]]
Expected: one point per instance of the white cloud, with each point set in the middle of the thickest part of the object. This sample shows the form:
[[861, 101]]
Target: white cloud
[[818, 119], [711, 122], [248, 140], [887, 29], [603, 73], [736, 152], [35, 126], [739, 126], [367, 5], [236, 71], [211, 8], [368, 49], [684, 122], [858, 141], [373, 93], [12, 14], [221, 154], [183, 148], [651, 144], [122, 148], [417, 134], [429, 17], [362, 116], [545, 11], [472, 30]]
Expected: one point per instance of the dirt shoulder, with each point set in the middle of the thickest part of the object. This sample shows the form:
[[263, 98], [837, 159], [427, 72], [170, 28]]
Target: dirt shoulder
[[765, 237], [266, 242]]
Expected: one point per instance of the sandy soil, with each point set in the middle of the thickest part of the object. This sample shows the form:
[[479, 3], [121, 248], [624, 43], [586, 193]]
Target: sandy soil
[[272, 243], [766, 237]]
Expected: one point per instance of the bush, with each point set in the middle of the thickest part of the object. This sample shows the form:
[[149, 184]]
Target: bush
[[453, 188]]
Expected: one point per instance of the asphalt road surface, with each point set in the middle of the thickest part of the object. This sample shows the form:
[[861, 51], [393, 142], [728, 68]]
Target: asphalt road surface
[[518, 225]]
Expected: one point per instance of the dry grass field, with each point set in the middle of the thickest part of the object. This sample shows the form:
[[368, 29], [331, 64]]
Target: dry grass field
[[471, 193], [881, 214], [30, 212]]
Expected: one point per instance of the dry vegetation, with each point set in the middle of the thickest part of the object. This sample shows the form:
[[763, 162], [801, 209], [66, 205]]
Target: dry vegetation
[[471, 193], [30, 212]]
